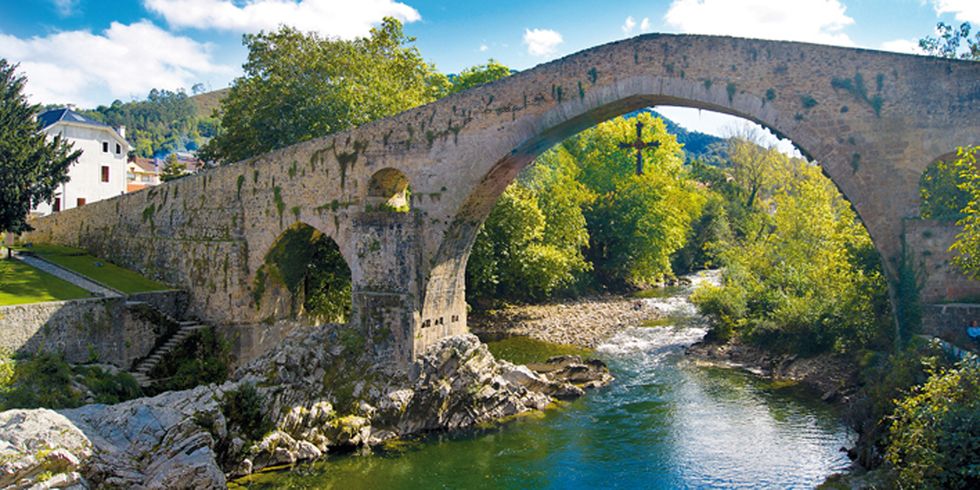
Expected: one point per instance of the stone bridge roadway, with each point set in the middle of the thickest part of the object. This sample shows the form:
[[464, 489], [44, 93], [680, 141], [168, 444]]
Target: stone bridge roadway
[[873, 121]]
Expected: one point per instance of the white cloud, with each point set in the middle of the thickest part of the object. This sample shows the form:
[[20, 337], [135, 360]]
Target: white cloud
[[628, 25], [336, 18], [963, 10], [65, 8], [121, 62], [817, 21], [542, 42], [645, 24], [908, 46], [484, 48]]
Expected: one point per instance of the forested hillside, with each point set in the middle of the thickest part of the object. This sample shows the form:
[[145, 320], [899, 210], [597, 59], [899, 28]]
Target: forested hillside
[[163, 123]]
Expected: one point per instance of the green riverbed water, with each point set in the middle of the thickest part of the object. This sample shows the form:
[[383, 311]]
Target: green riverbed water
[[665, 422]]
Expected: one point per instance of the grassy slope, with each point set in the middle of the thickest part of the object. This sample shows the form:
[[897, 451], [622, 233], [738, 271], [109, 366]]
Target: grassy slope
[[206, 103], [99, 270], [21, 283]]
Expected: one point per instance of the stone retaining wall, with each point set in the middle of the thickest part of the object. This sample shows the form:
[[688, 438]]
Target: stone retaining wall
[[103, 330], [949, 321]]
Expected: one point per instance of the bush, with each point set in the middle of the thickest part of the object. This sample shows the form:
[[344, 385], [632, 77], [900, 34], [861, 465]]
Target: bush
[[47, 380], [243, 409], [934, 440]]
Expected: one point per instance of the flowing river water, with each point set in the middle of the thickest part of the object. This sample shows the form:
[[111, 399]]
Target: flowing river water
[[666, 422]]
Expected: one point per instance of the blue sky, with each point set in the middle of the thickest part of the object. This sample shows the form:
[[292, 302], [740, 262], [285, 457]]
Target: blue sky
[[90, 52]]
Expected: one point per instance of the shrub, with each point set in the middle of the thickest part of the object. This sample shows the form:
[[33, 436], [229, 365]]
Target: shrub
[[934, 440], [47, 380], [243, 409]]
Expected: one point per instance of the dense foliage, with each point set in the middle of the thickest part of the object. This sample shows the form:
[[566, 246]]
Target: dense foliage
[[478, 75], [580, 218], [161, 124], [298, 86], [967, 242], [31, 165], [801, 274], [531, 244], [934, 439], [46, 380]]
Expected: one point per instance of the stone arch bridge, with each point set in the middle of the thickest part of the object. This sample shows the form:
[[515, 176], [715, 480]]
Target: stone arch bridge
[[873, 120]]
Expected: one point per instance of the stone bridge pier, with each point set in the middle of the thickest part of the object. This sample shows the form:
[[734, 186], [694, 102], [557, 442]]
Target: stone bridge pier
[[403, 197]]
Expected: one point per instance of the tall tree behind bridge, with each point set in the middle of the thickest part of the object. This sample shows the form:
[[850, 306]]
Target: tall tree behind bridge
[[300, 86], [946, 42], [31, 166]]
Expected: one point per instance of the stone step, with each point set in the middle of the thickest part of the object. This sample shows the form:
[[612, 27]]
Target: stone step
[[142, 370]]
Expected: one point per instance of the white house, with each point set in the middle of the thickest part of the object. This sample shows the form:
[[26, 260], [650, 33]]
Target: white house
[[100, 173]]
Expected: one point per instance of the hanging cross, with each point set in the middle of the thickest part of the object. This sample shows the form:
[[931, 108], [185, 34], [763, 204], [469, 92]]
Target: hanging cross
[[639, 145]]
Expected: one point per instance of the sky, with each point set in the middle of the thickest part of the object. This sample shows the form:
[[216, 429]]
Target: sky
[[91, 52]]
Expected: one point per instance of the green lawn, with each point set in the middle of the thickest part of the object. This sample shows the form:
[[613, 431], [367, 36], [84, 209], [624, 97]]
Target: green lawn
[[21, 283], [99, 270]]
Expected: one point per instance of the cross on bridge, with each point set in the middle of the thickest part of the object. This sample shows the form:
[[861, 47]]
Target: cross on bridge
[[639, 145]]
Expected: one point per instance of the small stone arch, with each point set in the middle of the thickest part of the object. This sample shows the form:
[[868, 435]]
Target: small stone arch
[[304, 276], [388, 190]]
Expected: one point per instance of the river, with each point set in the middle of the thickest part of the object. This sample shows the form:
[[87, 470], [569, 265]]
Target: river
[[666, 422]]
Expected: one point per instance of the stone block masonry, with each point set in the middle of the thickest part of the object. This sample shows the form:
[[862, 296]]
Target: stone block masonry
[[873, 121], [105, 330]]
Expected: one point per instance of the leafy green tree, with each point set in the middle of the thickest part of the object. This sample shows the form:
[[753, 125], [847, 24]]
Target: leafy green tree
[[803, 284], [173, 168], [479, 75], [31, 165], [531, 244], [935, 433], [636, 222], [298, 86], [967, 242], [944, 191], [946, 44]]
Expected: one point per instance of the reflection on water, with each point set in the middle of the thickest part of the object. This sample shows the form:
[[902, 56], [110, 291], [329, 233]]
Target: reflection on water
[[664, 423]]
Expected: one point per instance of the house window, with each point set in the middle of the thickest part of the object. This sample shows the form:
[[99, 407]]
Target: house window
[[80, 202], [57, 204], [105, 173], [146, 178], [105, 147], [118, 148]]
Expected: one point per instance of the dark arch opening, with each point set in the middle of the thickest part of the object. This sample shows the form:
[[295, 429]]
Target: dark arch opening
[[306, 268]]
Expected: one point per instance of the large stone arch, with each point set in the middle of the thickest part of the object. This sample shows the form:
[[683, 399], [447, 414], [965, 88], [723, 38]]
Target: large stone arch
[[873, 120]]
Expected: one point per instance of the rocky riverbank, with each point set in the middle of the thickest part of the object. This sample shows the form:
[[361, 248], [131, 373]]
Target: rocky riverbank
[[306, 400], [833, 376], [585, 322]]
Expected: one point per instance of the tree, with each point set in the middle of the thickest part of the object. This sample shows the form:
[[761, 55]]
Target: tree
[[531, 244], [967, 244], [803, 283], [298, 86], [31, 165], [479, 75], [947, 42], [636, 222], [173, 168]]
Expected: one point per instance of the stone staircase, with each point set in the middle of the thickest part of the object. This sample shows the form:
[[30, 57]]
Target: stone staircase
[[142, 369]]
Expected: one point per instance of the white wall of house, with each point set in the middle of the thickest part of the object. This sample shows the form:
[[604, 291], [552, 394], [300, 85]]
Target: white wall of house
[[86, 174]]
